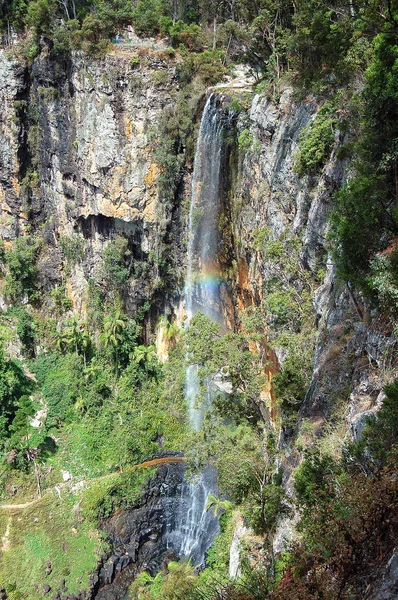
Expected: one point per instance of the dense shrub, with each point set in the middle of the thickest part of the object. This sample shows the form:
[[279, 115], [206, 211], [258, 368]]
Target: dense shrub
[[21, 260], [14, 385], [316, 141], [59, 378]]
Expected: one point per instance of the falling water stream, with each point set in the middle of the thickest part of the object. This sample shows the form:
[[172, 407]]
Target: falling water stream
[[193, 528]]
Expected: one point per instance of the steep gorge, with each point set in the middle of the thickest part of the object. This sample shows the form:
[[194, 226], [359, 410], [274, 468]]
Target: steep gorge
[[78, 168]]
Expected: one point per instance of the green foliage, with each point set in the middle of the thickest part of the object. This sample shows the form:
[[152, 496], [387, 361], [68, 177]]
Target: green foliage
[[173, 137], [266, 513], [92, 36], [191, 36], [40, 16], [217, 562], [49, 533], [289, 313], [208, 66], [180, 578], [230, 356], [73, 249], [282, 306], [21, 277], [26, 327], [365, 219], [21, 431], [116, 335], [14, 385], [62, 40], [217, 505], [383, 279], [60, 298], [115, 268], [95, 305], [134, 61], [313, 479], [48, 94], [356, 226], [74, 337], [146, 17], [105, 496], [145, 356], [292, 380], [160, 78], [245, 140], [316, 141], [379, 439], [59, 378]]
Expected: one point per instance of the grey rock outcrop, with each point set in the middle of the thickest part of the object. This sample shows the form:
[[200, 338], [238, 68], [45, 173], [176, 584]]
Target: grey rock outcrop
[[77, 160], [138, 535]]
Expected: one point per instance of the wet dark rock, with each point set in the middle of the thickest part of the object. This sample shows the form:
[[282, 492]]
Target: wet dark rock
[[139, 536], [46, 588], [108, 572], [123, 562]]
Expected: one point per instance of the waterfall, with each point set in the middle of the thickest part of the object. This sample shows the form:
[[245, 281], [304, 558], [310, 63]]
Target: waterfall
[[192, 529], [202, 285]]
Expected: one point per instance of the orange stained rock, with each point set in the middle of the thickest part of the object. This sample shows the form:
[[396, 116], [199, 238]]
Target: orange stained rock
[[15, 185], [150, 177], [246, 298], [128, 130]]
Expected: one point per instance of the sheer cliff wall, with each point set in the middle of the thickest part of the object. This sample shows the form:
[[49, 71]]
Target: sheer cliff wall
[[77, 161]]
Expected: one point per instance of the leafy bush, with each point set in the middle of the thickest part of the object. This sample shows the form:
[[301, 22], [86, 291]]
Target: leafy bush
[[179, 578], [291, 382], [383, 279], [72, 248], [191, 36], [120, 491], [60, 380], [245, 140], [62, 40], [356, 227], [379, 440], [40, 15], [316, 141], [26, 329], [92, 36], [146, 17], [134, 61], [13, 386], [22, 272], [283, 307], [115, 267]]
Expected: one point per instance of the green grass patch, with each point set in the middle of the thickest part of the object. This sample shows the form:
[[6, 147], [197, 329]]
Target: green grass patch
[[105, 496], [50, 533]]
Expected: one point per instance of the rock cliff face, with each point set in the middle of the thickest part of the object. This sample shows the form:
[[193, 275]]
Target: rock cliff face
[[76, 162], [149, 535], [138, 534], [353, 350]]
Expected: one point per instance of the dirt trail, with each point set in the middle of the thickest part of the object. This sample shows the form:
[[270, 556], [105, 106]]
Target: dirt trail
[[148, 463], [5, 540]]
